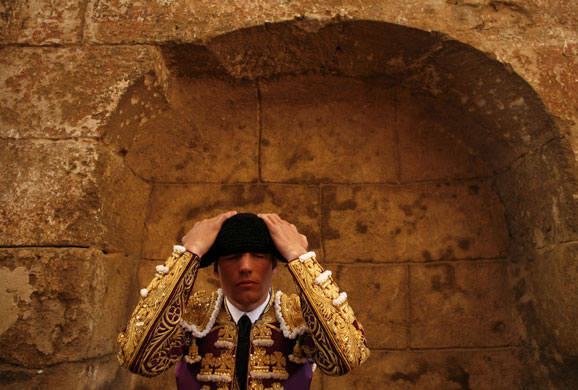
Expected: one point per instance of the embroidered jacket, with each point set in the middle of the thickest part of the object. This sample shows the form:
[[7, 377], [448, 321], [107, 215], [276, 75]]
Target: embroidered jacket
[[166, 326]]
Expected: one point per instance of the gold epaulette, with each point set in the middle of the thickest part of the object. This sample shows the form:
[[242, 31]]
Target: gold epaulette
[[201, 311], [288, 312]]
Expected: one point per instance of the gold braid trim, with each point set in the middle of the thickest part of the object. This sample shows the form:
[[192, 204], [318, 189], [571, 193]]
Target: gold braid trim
[[338, 337], [155, 326]]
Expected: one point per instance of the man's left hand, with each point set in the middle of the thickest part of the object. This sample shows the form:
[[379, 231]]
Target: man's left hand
[[290, 243]]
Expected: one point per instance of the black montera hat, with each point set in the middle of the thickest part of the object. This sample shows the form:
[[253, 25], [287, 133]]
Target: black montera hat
[[241, 233]]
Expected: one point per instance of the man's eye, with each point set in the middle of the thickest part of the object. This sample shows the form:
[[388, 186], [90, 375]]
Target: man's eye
[[259, 255]]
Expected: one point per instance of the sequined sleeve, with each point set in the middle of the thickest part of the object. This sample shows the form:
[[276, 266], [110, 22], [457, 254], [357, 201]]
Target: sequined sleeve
[[154, 338], [338, 338]]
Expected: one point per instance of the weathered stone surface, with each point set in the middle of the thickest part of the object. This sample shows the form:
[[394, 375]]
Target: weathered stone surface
[[54, 303], [412, 222], [553, 279], [461, 305], [327, 129], [73, 95], [42, 22], [69, 193], [539, 196], [431, 148], [94, 374], [435, 370], [293, 47], [175, 208], [184, 141], [378, 295]]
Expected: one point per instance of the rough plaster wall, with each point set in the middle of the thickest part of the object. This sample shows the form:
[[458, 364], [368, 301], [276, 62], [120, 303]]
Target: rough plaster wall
[[63, 92]]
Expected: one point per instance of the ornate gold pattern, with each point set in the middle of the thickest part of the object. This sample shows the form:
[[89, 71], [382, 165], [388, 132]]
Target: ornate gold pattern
[[339, 340], [154, 328], [320, 309]]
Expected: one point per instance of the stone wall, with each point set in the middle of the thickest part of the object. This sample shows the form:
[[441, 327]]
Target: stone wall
[[427, 149]]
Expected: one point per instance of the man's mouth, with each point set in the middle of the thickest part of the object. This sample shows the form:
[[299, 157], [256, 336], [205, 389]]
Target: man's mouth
[[246, 283]]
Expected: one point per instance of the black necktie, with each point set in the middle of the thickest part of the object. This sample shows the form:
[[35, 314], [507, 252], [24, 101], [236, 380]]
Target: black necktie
[[242, 355]]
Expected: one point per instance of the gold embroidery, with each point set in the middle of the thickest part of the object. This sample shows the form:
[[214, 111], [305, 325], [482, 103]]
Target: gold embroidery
[[261, 335], [226, 336], [206, 364], [258, 385], [154, 329], [291, 311], [259, 361], [340, 345]]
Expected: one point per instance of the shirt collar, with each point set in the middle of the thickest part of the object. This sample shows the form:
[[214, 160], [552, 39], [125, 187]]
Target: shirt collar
[[253, 314]]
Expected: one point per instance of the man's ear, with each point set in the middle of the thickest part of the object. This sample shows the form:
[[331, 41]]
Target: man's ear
[[275, 265]]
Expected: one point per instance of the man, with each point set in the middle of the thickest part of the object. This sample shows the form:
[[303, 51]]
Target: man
[[242, 336]]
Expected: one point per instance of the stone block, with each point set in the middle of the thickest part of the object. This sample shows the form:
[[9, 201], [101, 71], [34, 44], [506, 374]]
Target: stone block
[[363, 51], [419, 222], [430, 147], [553, 279], [156, 21], [165, 381], [40, 22], [61, 304], [292, 47], [435, 370], [208, 133], [93, 374], [378, 295], [69, 194], [327, 129], [484, 92], [175, 208], [539, 194], [75, 93], [464, 304]]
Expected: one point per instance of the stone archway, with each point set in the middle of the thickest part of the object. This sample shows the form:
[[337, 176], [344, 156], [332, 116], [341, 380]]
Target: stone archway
[[431, 151]]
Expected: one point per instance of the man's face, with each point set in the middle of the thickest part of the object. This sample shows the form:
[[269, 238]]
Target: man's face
[[246, 278]]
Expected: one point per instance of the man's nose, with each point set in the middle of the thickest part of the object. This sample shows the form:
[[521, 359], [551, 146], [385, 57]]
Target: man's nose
[[245, 262]]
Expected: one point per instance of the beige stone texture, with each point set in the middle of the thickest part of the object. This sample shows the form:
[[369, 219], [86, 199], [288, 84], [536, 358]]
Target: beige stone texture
[[94, 374], [419, 222], [385, 320], [184, 141], [433, 148], [42, 22], [69, 194], [497, 369], [473, 99], [516, 32], [61, 304], [313, 124], [553, 277], [64, 92], [175, 208], [461, 305], [539, 193]]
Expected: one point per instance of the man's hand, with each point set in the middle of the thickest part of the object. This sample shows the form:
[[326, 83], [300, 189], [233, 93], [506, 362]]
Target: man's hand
[[203, 234], [290, 243]]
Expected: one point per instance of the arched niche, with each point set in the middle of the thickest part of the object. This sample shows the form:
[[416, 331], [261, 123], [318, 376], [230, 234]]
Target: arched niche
[[427, 167]]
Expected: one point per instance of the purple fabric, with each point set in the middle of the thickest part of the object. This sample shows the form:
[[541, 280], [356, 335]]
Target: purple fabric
[[300, 375], [187, 378]]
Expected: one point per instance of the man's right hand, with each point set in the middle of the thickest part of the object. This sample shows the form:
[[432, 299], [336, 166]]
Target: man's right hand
[[203, 234]]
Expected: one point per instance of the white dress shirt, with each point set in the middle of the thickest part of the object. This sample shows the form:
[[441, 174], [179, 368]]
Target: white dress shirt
[[253, 314]]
